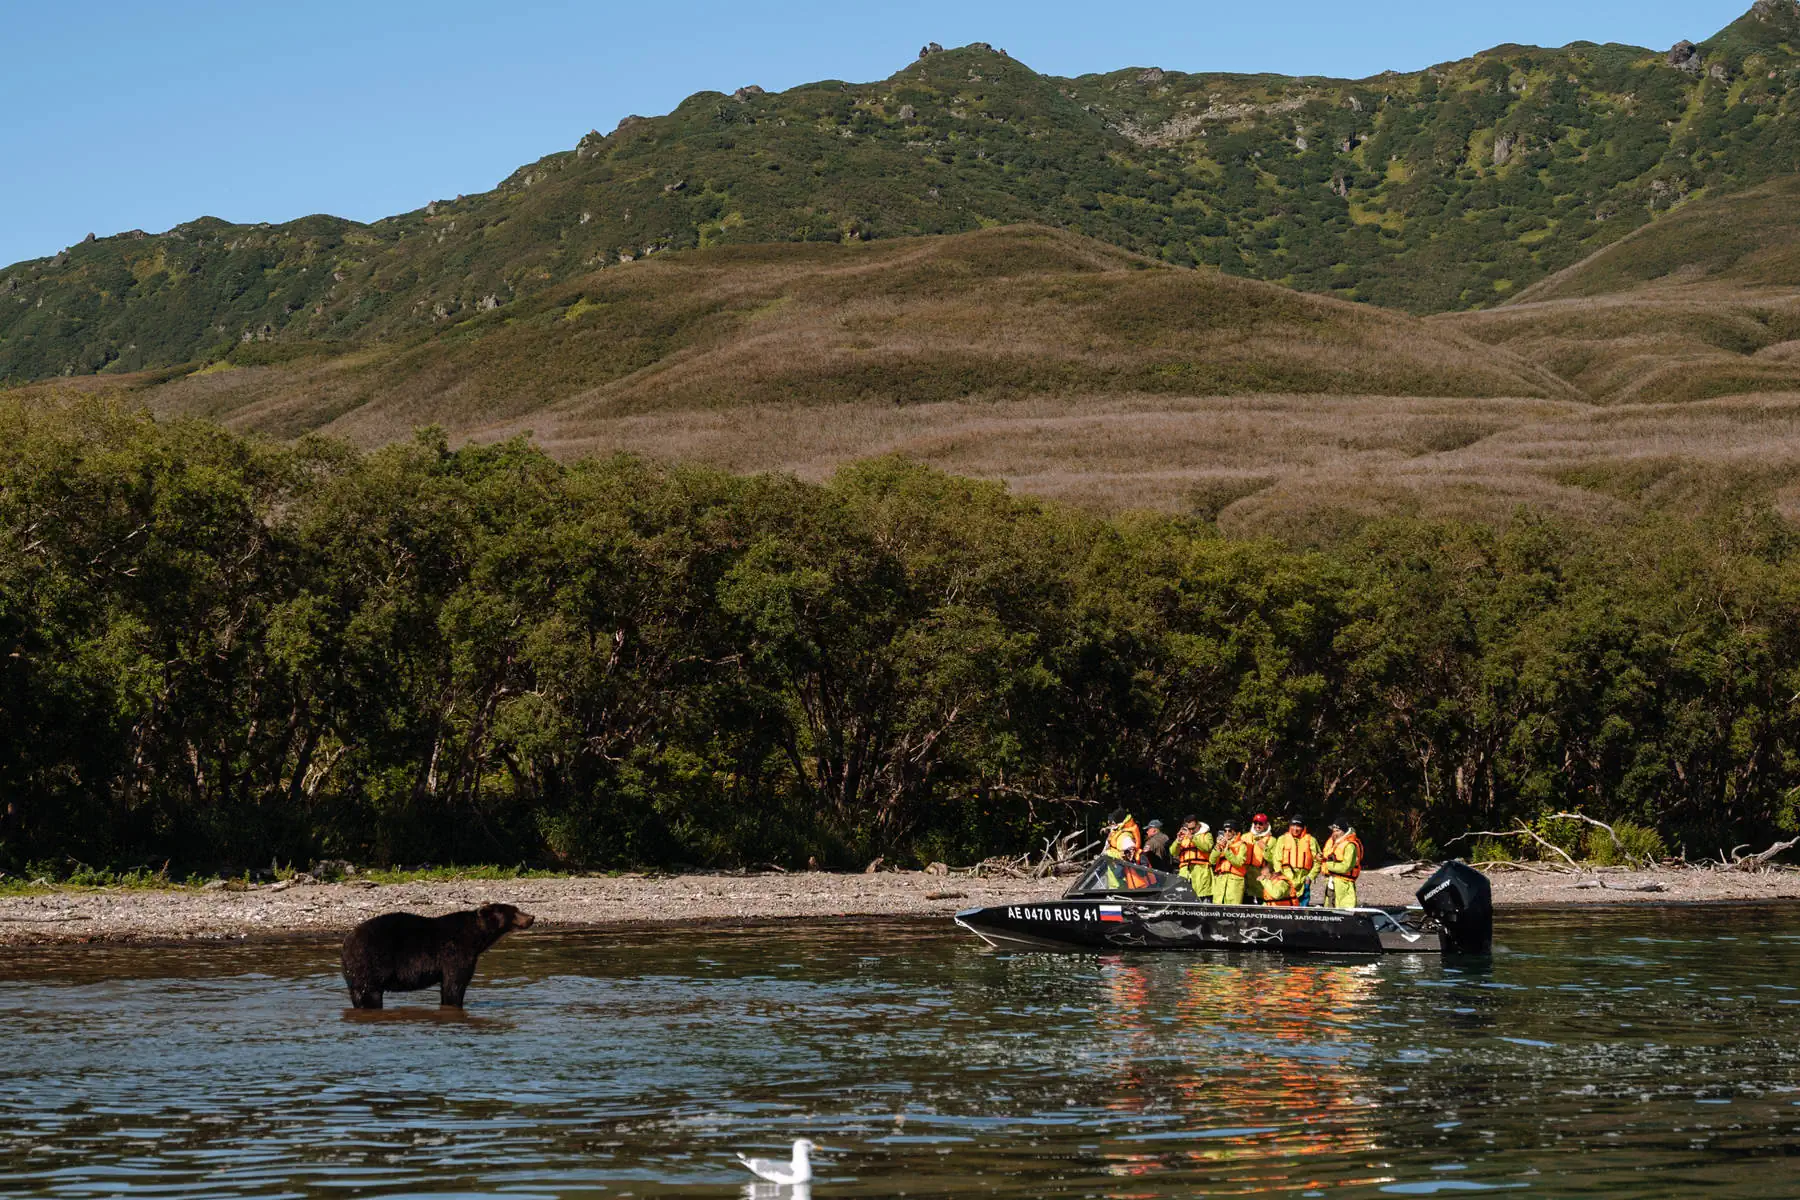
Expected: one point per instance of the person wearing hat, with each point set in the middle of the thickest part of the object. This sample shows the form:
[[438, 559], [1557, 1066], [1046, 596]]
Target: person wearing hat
[[1342, 860], [1193, 856], [1123, 838], [1261, 841], [1296, 857], [1156, 846], [1230, 862]]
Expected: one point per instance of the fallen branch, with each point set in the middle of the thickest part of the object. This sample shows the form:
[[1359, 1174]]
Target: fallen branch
[[1530, 868], [1759, 861], [1621, 887], [1522, 831], [1060, 857]]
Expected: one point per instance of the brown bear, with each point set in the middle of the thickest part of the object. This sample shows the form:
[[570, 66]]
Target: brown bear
[[403, 952]]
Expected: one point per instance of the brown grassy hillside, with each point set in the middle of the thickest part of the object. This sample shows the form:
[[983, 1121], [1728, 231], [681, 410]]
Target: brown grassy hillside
[[1076, 370], [1000, 314]]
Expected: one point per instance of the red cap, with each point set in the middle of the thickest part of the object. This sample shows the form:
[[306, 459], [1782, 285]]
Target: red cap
[[1261, 817]]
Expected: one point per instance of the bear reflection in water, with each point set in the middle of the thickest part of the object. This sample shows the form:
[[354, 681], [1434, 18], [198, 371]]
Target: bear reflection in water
[[404, 952]]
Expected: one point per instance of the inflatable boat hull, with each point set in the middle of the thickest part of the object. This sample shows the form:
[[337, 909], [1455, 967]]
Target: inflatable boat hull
[[1454, 917]]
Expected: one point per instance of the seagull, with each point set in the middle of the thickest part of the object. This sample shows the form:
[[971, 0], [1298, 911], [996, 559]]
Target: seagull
[[798, 1170]]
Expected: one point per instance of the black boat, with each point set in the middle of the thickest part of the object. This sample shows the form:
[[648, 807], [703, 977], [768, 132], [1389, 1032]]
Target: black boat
[[1118, 906]]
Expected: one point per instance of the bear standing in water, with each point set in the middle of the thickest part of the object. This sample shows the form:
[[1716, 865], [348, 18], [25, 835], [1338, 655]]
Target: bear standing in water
[[401, 952]]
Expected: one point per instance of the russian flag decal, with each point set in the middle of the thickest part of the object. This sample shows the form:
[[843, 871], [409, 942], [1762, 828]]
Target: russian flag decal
[[1112, 912]]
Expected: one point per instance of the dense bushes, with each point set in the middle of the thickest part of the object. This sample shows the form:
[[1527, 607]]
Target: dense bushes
[[218, 652]]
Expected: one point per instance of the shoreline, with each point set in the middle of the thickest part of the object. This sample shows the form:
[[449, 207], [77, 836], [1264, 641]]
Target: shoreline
[[180, 915]]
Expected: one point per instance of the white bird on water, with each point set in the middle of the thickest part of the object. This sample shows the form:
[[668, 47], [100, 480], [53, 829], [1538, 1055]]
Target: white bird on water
[[796, 1170]]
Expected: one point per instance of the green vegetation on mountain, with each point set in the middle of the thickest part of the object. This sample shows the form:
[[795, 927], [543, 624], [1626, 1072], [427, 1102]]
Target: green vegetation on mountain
[[219, 651], [1748, 241], [1450, 188]]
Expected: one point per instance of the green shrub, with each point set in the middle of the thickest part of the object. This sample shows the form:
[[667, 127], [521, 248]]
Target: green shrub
[[1565, 833], [1490, 850], [1636, 845]]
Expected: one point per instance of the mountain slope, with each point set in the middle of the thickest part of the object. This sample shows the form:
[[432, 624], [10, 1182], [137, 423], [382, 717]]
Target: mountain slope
[[1449, 188], [1066, 366], [997, 315], [1697, 305], [1748, 240]]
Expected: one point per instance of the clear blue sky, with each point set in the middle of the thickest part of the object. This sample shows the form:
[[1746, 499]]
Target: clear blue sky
[[123, 114]]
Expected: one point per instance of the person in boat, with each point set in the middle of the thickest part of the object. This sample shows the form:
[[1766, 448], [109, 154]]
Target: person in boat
[[1230, 861], [1156, 846], [1261, 842], [1123, 838], [1272, 886], [1296, 858], [1193, 856], [1342, 860]]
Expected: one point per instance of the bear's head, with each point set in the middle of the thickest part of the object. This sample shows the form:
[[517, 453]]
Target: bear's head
[[504, 918]]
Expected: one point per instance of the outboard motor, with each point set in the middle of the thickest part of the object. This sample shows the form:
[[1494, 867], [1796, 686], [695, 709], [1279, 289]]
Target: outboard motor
[[1458, 897]]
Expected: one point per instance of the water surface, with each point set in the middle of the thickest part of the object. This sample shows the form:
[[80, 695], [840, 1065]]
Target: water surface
[[1602, 1053]]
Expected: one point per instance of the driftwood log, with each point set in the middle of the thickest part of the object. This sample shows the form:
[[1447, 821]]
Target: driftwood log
[[1060, 857], [1759, 861]]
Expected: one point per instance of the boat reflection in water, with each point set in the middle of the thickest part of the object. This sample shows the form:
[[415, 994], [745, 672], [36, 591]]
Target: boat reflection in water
[[1260, 1061]]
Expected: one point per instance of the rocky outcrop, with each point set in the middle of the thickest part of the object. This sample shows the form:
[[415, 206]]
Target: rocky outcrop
[[907, 112], [929, 49], [744, 93], [1504, 146], [1153, 75], [1685, 56]]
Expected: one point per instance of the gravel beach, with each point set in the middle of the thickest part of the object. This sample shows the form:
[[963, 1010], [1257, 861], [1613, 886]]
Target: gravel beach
[[327, 910]]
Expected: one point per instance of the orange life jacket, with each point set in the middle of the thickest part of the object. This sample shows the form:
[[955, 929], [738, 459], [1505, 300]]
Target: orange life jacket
[[1188, 852], [1222, 865], [1115, 841], [1294, 853], [1276, 889], [1256, 852], [1355, 871]]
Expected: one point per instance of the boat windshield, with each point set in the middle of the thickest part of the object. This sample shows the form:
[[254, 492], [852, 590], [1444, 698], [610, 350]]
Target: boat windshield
[[1109, 874]]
